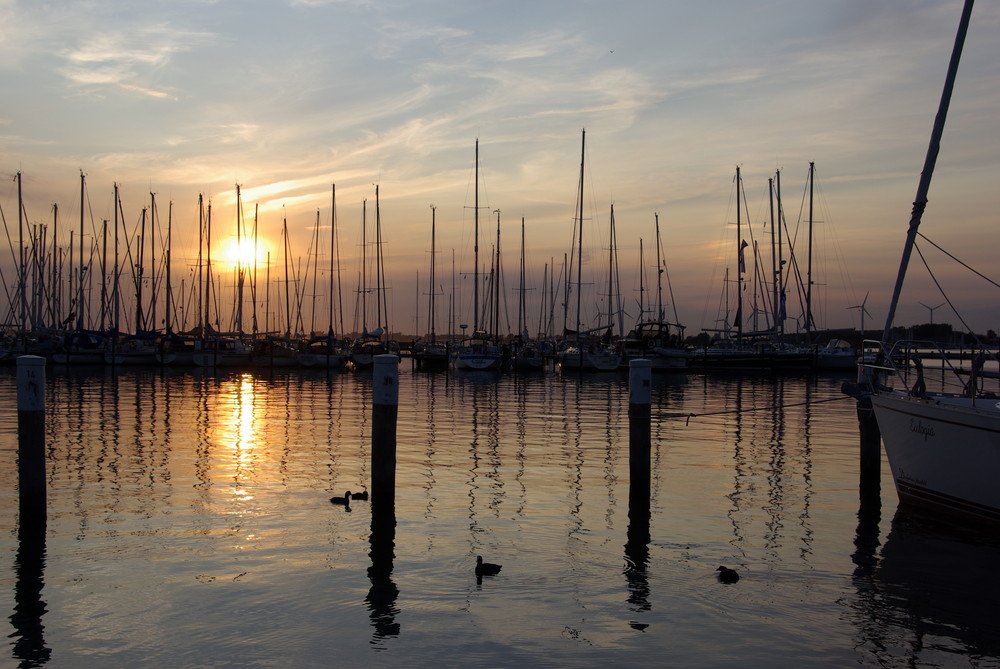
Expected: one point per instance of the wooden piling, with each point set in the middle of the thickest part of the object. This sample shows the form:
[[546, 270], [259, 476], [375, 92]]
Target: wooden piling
[[385, 403], [639, 412], [870, 451], [31, 440]]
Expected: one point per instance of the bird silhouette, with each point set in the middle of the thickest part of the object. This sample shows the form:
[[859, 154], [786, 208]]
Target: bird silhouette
[[486, 568], [343, 501], [727, 575], [360, 495]]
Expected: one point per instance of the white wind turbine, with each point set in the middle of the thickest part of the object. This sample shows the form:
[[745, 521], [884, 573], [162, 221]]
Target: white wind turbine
[[864, 310], [931, 309]]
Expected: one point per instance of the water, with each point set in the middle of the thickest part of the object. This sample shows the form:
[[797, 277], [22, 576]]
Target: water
[[189, 525]]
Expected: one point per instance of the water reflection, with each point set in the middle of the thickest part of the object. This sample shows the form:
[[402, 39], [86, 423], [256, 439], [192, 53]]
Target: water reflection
[[772, 463], [29, 570], [153, 475], [638, 537], [382, 595], [930, 594]]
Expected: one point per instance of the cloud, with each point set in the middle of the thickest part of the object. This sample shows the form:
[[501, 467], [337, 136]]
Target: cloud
[[127, 55]]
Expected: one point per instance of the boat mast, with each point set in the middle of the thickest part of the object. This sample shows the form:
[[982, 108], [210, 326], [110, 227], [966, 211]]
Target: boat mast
[[475, 247], [240, 272], [642, 283], [315, 273], [920, 201], [151, 323], [741, 262], [201, 244], [496, 284], [380, 306], [54, 300], [659, 272], [774, 263], [781, 262], [288, 304], [333, 247], [140, 323], [430, 296], [579, 253], [809, 264], [169, 291], [22, 276], [208, 267], [80, 317], [253, 276], [115, 278], [522, 316]]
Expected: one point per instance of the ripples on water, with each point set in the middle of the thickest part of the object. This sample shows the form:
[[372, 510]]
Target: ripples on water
[[189, 525]]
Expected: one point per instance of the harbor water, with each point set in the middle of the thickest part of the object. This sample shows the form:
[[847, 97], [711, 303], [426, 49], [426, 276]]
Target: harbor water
[[189, 524]]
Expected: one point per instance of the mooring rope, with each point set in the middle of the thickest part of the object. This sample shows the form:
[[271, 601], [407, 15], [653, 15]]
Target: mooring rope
[[688, 416]]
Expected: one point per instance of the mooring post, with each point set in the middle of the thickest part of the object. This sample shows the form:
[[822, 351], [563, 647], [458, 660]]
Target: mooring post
[[871, 443], [385, 403], [31, 440], [639, 400]]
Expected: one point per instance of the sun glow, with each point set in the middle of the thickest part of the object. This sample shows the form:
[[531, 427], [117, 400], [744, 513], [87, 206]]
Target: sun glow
[[243, 253]]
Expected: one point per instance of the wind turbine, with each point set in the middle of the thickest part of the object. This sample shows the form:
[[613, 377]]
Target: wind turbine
[[864, 310], [931, 309]]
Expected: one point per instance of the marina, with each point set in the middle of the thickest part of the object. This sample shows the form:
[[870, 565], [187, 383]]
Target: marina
[[271, 443]]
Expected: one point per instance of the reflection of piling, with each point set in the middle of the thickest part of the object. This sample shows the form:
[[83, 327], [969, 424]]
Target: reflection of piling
[[29, 607], [640, 394], [31, 440], [385, 401], [866, 540], [383, 593]]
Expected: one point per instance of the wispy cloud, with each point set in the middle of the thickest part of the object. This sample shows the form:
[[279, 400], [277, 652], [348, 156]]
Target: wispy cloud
[[128, 55]]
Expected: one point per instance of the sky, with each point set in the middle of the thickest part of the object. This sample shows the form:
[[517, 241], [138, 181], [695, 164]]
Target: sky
[[290, 98]]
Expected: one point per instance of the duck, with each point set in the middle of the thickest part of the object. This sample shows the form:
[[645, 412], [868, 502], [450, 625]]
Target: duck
[[727, 575], [360, 495], [486, 568], [344, 501]]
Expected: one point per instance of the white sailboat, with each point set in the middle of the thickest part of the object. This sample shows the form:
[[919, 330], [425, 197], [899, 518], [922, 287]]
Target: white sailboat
[[943, 448], [480, 352], [588, 353]]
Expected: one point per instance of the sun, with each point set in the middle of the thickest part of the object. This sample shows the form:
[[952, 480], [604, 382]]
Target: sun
[[243, 253]]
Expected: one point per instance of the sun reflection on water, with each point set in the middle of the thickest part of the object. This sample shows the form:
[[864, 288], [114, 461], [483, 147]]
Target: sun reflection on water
[[237, 426]]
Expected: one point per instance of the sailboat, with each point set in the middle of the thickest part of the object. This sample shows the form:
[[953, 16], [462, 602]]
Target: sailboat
[[217, 349], [656, 339], [943, 448], [588, 353], [371, 343], [324, 351], [528, 353], [480, 352], [431, 355]]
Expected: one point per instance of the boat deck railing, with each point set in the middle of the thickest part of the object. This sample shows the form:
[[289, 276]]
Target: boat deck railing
[[914, 365]]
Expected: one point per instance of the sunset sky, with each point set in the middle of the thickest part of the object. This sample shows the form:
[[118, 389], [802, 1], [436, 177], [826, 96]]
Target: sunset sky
[[288, 98]]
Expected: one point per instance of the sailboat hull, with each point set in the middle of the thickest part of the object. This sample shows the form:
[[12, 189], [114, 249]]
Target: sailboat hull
[[944, 451]]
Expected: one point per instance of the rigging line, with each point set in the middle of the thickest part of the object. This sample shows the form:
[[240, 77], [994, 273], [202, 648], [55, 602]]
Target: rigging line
[[688, 416], [974, 271], [945, 297]]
